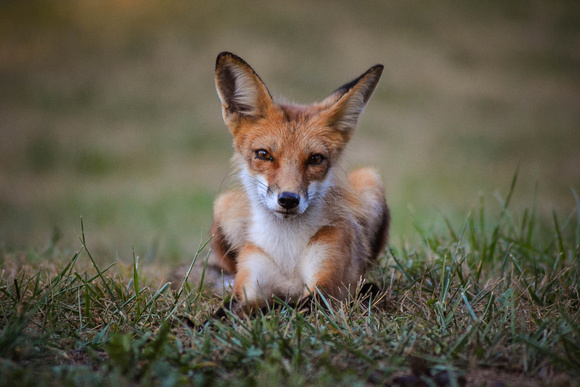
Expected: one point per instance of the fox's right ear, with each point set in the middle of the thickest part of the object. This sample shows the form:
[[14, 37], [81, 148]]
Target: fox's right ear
[[241, 91], [346, 104]]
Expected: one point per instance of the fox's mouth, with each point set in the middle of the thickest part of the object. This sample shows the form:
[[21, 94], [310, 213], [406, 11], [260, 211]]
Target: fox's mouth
[[286, 214], [279, 211]]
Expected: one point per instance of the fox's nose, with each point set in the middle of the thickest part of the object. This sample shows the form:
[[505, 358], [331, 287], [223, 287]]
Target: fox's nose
[[288, 200]]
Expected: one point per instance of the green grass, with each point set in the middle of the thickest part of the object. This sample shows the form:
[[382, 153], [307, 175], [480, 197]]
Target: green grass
[[492, 299]]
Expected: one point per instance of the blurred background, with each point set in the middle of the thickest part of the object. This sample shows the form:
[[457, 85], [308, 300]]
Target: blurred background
[[108, 109]]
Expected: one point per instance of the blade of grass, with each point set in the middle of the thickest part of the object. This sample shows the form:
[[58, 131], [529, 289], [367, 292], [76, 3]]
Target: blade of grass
[[490, 251], [468, 305], [136, 287], [577, 217], [96, 267], [558, 232]]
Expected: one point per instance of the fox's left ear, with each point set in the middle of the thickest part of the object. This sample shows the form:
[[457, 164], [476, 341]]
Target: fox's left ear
[[345, 105], [242, 93]]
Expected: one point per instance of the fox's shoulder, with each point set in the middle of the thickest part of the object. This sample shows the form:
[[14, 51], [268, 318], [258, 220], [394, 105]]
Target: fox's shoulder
[[342, 202], [232, 211]]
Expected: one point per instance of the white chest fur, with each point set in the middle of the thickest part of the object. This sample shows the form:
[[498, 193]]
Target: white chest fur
[[291, 261], [284, 240]]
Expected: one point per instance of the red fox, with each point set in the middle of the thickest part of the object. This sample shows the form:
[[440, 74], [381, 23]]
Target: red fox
[[298, 224]]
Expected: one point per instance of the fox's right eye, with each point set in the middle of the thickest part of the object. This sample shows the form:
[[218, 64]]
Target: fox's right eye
[[262, 154]]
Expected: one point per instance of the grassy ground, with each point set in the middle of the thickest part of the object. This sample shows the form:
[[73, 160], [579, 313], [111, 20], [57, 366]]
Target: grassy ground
[[493, 300]]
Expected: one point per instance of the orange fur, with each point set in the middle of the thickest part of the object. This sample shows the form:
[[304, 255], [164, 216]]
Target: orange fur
[[334, 268], [297, 224]]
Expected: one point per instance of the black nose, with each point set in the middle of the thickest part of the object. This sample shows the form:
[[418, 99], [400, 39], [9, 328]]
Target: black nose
[[288, 200]]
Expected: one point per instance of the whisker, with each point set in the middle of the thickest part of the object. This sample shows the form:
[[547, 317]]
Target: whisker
[[227, 177], [258, 183], [317, 195]]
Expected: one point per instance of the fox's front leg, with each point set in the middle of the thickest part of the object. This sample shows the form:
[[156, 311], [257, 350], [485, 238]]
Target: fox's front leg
[[328, 263], [257, 278]]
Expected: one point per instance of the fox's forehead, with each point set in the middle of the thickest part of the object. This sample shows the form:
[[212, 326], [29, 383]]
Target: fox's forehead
[[300, 113], [297, 128]]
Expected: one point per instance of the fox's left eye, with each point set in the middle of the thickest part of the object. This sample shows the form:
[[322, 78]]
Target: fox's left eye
[[262, 154], [316, 159]]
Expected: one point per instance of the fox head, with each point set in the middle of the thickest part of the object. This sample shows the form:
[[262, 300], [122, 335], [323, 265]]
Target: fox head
[[287, 151]]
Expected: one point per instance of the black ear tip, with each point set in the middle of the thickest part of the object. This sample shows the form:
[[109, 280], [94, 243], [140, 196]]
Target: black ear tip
[[378, 68], [223, 53], [221, 56], [226, 54]]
